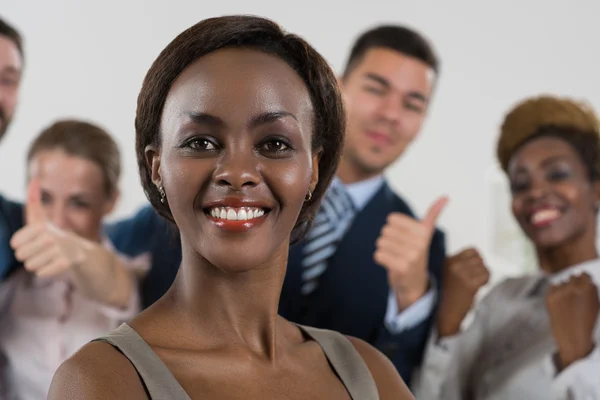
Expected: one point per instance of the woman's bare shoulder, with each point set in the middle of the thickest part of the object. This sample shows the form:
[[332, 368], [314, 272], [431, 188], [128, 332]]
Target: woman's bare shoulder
[[389, 383], [96, 371]]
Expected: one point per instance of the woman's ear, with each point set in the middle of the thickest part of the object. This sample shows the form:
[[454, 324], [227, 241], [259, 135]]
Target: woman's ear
[[153, 161], [314, 179], [597, 196]]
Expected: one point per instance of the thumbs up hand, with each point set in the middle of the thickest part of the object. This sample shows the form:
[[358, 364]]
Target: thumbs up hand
[[403, 250], [44, 249]]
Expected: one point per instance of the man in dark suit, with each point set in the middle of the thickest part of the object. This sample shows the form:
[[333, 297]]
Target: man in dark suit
[[368, 268], [11, 67]]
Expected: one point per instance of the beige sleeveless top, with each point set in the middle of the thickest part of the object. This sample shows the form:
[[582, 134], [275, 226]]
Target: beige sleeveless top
[[161, 385]]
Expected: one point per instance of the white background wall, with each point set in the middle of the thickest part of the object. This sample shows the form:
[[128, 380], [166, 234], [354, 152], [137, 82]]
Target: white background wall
[[88, 58]]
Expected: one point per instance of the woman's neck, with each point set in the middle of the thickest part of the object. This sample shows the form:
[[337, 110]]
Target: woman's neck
[[562, 257], [231, 308]]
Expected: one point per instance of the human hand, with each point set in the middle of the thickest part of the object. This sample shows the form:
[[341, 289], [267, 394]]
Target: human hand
[[464, 274], [403, 250], [44, 249], [573, 308]]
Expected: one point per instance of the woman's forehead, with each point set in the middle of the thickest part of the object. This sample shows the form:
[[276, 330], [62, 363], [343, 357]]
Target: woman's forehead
[[239, 77], [540, 151]]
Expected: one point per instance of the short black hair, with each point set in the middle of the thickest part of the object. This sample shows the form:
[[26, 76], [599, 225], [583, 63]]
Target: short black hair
[[12, 34], [394, 37]]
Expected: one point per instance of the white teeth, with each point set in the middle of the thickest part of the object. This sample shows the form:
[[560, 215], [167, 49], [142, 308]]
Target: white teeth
[[544, 216], [236, 214], [232, 215]]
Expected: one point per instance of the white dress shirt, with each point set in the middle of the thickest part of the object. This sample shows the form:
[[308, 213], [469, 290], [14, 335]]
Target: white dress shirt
[[507, 351]]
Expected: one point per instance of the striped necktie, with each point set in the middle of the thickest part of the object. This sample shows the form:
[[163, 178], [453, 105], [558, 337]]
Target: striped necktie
[[332, 219]]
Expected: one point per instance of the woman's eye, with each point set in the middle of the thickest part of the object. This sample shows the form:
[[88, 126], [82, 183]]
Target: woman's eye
[[558, 175], [517, 187], [201, 144], [276, 146]]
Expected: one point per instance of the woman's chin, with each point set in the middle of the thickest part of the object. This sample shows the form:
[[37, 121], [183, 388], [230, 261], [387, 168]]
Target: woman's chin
[[240, 261], [548, 241]]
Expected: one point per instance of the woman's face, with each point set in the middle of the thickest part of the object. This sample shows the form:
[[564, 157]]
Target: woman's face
[[235, 158], [554, 200], [72, 192]]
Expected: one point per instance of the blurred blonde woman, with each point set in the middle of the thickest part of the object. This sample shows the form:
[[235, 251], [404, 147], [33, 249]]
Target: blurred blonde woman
[[73, 286]]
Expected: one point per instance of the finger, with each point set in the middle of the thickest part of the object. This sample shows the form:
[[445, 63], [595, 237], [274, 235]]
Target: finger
[[26, 235], [384, 259], [414, 232], [555, 289], [400, 244], [468, 267], [34, 210], [551, 290], [434, 212], [56, 267], [461, 260], [470, 275], [402, 223], [584, 279], [470, 252], [401, 255], [481, 280], [32, 247], [41, 259], [467, 256]]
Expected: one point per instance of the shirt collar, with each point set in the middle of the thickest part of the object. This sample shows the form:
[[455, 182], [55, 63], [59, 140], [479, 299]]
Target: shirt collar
[[363, 191], [591, 267]]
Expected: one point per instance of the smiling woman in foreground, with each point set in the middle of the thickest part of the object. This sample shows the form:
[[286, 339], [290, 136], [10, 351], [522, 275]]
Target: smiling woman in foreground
[[239, 129]]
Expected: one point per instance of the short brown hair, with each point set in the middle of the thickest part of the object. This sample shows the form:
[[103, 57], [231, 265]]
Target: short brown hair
[[85, 140], [262, 35], [13, 35], [574, 122]]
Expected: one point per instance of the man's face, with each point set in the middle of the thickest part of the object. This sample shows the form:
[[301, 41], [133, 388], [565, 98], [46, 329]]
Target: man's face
[[11, 65], [386, 96]]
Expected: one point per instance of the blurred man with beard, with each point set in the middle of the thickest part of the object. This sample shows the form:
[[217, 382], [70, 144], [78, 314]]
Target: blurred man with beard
[[11, 68]]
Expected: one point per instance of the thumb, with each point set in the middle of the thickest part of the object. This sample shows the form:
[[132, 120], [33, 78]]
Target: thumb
[[34, 210], [434, 212]]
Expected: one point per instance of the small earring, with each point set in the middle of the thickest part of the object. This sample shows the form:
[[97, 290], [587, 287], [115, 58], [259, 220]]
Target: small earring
[[163, 195], [308, 196]]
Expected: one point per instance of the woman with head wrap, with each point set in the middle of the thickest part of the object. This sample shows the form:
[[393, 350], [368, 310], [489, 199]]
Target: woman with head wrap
[[533, 337]]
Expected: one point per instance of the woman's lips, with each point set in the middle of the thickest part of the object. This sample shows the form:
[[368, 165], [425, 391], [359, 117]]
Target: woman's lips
[[544, 217], [237, 219]]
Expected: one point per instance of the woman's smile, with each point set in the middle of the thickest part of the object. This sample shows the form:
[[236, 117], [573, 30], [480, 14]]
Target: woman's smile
[[237, 214]]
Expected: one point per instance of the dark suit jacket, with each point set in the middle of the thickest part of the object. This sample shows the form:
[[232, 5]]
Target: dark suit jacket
[[353, 292], [11, 220]]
